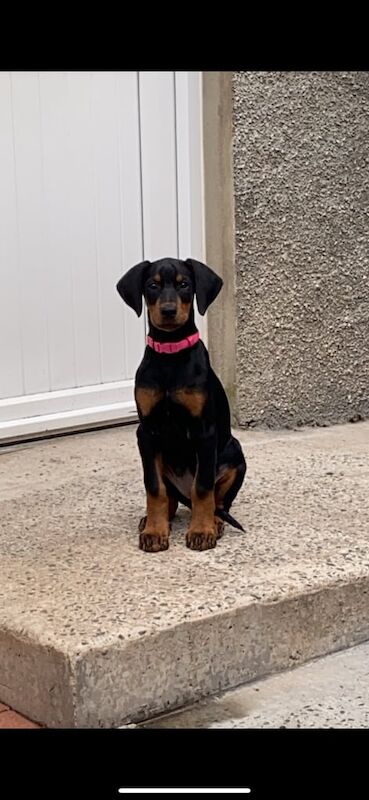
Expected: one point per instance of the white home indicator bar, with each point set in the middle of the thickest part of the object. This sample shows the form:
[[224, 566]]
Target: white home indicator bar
[[192, 790]]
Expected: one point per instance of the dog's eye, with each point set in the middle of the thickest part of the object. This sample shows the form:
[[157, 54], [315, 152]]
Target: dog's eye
[[183, 285], [153, 286]]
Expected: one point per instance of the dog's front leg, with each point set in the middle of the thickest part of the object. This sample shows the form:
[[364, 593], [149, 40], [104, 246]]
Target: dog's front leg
[[202, 531], [155, 535]]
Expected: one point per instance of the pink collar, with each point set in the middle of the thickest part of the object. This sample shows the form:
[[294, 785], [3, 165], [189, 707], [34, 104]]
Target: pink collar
[[173, 347]]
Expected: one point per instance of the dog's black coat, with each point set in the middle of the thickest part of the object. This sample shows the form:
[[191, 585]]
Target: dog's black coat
[[185, 418]]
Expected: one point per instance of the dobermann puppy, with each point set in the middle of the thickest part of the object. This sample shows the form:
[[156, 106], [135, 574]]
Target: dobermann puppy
[[188, 452]]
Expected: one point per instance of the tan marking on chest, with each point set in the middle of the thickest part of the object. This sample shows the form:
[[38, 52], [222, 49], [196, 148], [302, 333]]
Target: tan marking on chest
[[147, 399], [193, 400]]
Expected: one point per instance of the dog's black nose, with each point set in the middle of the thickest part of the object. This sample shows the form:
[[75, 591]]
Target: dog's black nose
[[168, 311]]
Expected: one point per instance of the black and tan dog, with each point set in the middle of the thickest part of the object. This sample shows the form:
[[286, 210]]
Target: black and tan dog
[[188, 452]]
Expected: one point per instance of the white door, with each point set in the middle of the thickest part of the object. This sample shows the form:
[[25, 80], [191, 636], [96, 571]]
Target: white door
[[97, 172]]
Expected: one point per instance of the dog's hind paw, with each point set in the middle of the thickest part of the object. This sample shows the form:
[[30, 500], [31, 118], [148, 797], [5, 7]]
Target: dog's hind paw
[[219, 527], [141, 524]]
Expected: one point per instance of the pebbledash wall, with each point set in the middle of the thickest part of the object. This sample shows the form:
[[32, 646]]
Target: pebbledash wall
[[287, 225]]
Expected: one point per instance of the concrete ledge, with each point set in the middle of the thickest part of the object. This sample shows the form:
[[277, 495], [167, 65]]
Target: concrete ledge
[[93, 632]]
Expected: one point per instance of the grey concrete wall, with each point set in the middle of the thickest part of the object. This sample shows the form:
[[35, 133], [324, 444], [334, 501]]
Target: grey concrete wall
[[301, 210]]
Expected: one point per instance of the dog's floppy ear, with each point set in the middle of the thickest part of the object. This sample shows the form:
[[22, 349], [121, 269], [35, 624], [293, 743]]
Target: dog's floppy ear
[[207, 284], [130, 286]]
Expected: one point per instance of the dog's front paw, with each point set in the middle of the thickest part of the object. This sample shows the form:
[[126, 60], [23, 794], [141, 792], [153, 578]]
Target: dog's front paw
[[153, 542], [201, 541]]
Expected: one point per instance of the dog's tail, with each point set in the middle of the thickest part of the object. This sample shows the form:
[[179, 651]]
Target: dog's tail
[[226, 517]]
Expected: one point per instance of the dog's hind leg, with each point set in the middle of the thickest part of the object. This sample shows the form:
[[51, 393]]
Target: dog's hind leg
[[228, 483]]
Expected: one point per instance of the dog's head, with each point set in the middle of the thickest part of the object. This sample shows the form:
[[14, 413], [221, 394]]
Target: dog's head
[[169, 287]]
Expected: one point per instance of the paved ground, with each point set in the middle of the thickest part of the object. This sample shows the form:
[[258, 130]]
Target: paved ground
[[10, 719], [94, 632], [331, 692]]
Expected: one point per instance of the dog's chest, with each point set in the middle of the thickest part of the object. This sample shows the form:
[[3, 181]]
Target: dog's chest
[[172, 424], [171, 420], [184, 402], [172, 410]]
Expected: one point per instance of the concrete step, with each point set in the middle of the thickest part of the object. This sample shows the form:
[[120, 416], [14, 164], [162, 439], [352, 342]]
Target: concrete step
[[329, 692], [94, 632]]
